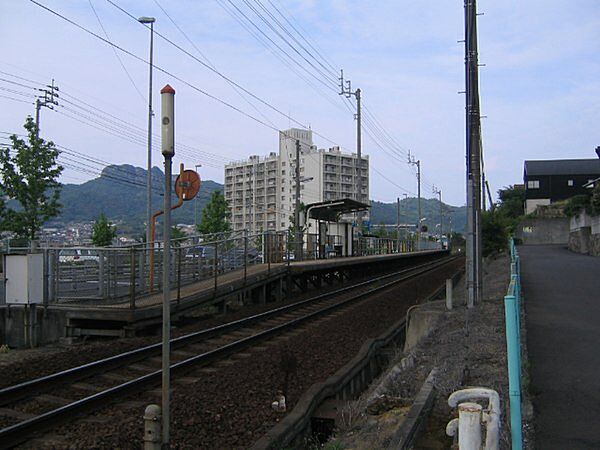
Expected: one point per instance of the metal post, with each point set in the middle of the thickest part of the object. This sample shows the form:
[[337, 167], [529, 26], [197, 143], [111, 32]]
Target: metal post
[[419, 205], [132, 279], [178, 274], [449, 294], [215, 263], [245, 254], [268, 248], [149, 20], [168, 151], [398, 225]]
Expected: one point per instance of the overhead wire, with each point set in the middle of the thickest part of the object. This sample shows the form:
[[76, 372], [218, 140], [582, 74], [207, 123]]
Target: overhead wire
[[116, 54]]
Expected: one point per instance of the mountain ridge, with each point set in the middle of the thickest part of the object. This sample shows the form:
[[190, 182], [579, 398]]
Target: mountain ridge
[[120, 193]]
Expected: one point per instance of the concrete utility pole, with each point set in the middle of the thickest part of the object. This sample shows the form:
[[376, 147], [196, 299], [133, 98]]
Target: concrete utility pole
[[411, 160], [473, 157], [48, 100], [297, 232], [150, 21], [168, 150], [346, 89]]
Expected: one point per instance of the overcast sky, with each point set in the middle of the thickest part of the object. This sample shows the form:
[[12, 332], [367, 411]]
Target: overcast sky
[[540, 87]]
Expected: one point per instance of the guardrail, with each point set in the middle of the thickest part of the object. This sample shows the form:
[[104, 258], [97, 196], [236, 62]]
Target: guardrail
[[512, 308]]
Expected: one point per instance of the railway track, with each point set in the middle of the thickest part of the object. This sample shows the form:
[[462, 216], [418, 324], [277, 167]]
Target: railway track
[[138, 370]]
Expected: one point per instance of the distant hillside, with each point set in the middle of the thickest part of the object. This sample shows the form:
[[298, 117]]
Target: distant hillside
[[430, 209], [126, 203], [123, 201]]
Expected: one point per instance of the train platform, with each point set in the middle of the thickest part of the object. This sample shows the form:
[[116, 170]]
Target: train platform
[[562, 303], [256, 284]]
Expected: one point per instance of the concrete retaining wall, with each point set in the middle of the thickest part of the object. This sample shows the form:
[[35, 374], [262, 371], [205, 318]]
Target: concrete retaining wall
[[535, 231], [22, 326], [584, 236]]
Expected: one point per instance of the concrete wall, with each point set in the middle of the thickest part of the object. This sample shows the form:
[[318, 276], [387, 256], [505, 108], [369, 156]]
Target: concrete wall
[[24, 327], [532, 203], [535, 231], [584, 236]]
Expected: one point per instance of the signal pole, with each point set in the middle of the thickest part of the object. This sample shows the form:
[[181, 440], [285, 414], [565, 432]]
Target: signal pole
[[48, 100], [346, 89], [168, 150], [411, 160]]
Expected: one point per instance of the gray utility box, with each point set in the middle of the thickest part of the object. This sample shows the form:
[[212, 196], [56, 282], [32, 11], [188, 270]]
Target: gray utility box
[[24, 278]]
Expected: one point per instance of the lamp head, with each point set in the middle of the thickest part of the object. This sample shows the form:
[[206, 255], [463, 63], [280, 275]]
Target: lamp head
[[144, 19]]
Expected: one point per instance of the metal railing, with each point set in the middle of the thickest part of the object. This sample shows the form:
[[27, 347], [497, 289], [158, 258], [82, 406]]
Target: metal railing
[[512, 308], [98, 276]]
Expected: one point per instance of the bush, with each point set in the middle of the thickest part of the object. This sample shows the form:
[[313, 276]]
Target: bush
[[494, 229], [596, 200], [577, 204]]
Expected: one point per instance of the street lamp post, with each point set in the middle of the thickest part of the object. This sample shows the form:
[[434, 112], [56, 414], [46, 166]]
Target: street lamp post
[[146, 21]]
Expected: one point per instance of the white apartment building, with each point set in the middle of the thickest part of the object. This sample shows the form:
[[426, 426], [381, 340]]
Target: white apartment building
[[261, 191]]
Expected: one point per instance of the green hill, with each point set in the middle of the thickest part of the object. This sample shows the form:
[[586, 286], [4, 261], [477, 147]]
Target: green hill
[[125, 201], [120, 194], [386, 213]]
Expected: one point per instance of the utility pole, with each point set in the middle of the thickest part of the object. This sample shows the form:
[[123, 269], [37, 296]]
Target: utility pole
[[411, 160], [48, 100], [298, 234], [346, 89], [473, 157]]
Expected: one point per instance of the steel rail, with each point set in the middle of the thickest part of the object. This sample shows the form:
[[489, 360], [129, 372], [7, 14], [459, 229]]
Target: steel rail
[[22, 431], [29, 388]]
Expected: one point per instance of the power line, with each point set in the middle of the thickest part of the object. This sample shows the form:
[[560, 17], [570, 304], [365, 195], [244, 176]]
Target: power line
[[264, 102], [115, 52]]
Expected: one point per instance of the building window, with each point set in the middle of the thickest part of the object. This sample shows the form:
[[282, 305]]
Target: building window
[[533, 184], [570, 183], [283, 164], [283, 224], [283, 172], [283, 197]]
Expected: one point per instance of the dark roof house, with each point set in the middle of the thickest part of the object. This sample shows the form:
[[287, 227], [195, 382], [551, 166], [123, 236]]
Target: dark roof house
[[548, 181]]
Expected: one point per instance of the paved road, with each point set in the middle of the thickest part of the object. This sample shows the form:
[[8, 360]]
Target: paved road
[[562, 303]]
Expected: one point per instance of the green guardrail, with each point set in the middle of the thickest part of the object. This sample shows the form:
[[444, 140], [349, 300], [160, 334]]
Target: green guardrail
[[512, 306]]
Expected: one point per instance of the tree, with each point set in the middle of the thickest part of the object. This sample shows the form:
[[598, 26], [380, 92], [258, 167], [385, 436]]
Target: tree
[[177, 236], [494, 232], [103, 232], [29, 173], [214, 215], [512, 201]]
